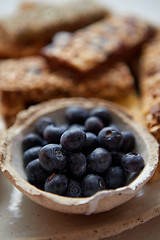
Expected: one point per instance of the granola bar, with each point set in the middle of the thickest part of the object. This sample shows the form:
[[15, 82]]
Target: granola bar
[[150, 85], [28, 81], [150, 88], [25, 32], [108, 40]]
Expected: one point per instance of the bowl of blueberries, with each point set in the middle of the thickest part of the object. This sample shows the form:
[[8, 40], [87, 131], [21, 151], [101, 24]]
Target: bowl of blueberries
[[78, 155]]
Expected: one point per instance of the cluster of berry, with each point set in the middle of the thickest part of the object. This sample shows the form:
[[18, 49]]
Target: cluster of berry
[[87, 154]]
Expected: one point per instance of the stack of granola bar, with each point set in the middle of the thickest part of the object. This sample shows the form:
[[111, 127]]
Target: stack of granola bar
[[82, 51]]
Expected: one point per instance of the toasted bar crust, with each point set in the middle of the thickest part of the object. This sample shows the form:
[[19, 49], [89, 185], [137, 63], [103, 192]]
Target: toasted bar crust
[[150, 89], [28, 81], [99, 43], [33, 26], [150, 85]]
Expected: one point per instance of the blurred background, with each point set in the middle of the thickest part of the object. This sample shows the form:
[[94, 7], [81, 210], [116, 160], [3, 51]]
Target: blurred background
[[148, 9]]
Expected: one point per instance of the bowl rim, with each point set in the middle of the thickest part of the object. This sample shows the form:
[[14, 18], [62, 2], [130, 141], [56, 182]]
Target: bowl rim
[[56, 104]]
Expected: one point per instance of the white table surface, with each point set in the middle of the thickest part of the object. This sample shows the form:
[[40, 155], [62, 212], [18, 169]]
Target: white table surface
[[149, 10]]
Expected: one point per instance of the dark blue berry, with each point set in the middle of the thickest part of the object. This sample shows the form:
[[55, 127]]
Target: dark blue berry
[[110, 138], [74, 189], [42, 123], [102, 113], [131, 177], [56, 183], [115, 177], [91, 143], [52, 157], [31, 154], [93, 124], [31, 140], [132, 162], [44, 142], [73, 140], [36, 175], [53, 134], [77, 164], [76, 114], [128, 142], [116, 158], [99, 160], [76, 125], [64, 127], [114, 126], [91, 184]]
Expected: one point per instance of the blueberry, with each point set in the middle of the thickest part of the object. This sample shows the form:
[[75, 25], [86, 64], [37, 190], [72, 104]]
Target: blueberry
[[91, 143], [93, 124], [52, 158], [31, 154], [36, 175], [91, 184], [110, 138], [64, 127], [116, 158], [53, 134], [44, 142], [132, 162], [56, 183], [76, 125], [131, 177], [128, 142], [76, 114], [102, 113], [74, 189], [115, 177], [99, 160], [77, 164], [114, 126], [73, 140], [31, 140], [42, 123]]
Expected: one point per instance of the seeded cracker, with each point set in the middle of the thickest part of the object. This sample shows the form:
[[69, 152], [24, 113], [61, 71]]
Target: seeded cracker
[[100, 43], [28, 81], [150, 89]]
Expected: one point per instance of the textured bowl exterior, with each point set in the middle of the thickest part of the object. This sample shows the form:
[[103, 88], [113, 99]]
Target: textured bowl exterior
[[12, 166]]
